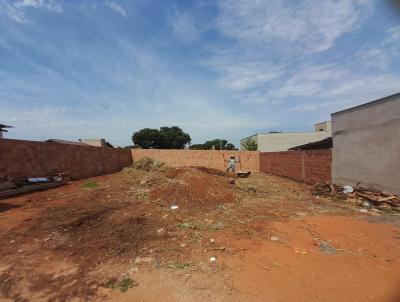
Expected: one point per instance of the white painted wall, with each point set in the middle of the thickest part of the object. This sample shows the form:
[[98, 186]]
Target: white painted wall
[[274, 142]]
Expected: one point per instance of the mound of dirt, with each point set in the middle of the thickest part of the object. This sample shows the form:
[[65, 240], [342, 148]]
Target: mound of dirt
[[194, 187], [210, 171]]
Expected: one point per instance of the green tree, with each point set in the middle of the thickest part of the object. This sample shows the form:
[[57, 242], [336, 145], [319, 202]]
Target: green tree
[[250, 144], [230, 146], [196, 147], [164, 138], [147, 138], [174, 138], [217, 144]]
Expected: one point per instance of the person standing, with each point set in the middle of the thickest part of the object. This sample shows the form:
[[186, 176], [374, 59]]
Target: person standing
[[231, 164]]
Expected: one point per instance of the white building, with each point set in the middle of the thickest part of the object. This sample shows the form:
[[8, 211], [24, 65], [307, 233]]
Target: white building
[[282, 141]]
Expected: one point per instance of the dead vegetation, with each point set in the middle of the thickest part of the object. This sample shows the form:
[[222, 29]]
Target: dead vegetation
[[147, 164]]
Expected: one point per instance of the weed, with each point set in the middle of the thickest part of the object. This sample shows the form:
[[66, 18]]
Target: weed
[[178, 265], [123, 285], [91, 184]]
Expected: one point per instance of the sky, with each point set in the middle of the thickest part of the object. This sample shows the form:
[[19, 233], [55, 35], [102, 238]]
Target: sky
[[218, 69]]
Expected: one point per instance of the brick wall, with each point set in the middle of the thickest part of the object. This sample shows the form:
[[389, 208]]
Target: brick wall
[[20, 158], [27, 158], [206, 158], [317, 166], [310, 166]]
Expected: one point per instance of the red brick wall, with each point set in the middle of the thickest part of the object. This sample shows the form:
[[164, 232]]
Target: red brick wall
[[310, 166], [317, 166], [20, 158], [206, 158], [27, 158]]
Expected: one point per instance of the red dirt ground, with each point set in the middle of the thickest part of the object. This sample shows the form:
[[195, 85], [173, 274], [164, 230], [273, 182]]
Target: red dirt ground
[[76, 244]]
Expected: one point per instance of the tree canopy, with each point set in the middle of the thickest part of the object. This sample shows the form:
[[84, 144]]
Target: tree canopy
[[250, 144], [217, 144], [163, 138]]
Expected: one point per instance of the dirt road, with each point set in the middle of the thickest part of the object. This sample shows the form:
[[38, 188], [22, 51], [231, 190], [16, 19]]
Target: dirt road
[[116, 238]]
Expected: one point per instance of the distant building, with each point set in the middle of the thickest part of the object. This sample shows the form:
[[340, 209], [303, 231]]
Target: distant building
[[283, 141], [102, 143], [98, 142], [3, 129], [366, 145], [324, 126], [65, 142]]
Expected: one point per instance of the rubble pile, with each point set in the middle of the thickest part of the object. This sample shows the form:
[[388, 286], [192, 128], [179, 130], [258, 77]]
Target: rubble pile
[[367, 198]]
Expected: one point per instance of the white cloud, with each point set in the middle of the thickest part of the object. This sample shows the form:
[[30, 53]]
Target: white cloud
[[242, 74], [49, 5], [393, 35], [270, 37], [278, 54], [308, 25], [374, 58], [308, 81], [184, 26], [16, 10], [313, 87], [116, 7]]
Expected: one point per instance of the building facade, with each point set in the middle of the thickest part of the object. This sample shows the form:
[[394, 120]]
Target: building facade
[[274, 142], [366, 145]]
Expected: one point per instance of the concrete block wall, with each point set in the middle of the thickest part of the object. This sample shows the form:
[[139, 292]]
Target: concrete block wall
[[310, 166], [19, 158], [249, 160]]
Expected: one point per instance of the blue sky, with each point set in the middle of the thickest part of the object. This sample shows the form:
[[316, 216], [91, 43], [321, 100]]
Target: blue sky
[[218, 69]]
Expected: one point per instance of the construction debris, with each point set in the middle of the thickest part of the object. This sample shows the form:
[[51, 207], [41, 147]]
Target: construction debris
[[243, 174], [348, 189], [367, 198], [20, 186]]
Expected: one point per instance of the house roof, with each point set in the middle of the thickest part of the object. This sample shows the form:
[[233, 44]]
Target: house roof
[[61, 141], [325, 143]]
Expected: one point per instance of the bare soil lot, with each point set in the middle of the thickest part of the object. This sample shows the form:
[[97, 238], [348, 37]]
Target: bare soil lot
[[116, 238]]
